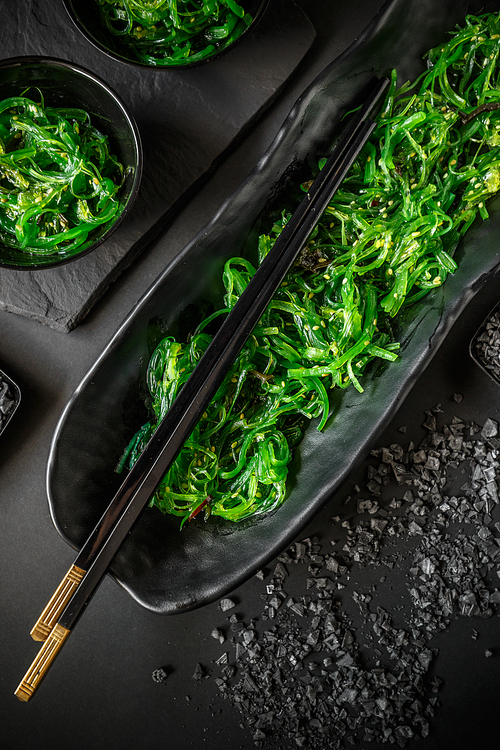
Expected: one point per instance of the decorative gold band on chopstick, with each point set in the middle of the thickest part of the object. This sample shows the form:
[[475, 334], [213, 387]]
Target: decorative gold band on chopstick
[[57, 603], [43, 660]]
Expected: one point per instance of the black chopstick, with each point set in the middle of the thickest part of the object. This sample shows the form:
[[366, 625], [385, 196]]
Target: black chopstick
[[75, 591]]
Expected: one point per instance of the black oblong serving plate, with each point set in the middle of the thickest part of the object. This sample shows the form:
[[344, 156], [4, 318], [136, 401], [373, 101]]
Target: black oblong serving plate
[[167, 570]]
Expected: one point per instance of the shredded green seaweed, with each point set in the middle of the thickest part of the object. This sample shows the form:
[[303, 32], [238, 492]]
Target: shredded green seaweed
[[58, 179], [173, 32], [386, 240]]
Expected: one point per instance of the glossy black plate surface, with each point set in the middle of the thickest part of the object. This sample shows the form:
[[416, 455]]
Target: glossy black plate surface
[[164, 569]]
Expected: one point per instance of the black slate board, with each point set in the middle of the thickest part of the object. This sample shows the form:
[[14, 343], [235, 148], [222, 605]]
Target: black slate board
[[187, 120]]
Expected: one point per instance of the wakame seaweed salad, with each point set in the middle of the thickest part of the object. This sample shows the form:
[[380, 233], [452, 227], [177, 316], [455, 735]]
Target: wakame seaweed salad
[[59, 180], [173, 32], [387, 239]]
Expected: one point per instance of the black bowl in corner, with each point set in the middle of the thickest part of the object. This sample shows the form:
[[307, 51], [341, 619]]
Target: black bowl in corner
[[64, 84], [86, 17]]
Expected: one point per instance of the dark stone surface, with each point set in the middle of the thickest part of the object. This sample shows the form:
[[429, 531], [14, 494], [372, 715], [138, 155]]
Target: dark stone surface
[[187, 120], [100, 692]]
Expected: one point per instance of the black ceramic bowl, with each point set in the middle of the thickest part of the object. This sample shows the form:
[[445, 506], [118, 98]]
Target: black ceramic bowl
[[168, 570], [86, 17], [65, 84]]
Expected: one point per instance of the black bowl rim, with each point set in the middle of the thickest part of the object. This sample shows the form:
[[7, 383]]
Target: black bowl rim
[[23, 60], [68, 4]]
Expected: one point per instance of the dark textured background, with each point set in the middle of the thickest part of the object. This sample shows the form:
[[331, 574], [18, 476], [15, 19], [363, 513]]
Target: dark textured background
[[100, 693]]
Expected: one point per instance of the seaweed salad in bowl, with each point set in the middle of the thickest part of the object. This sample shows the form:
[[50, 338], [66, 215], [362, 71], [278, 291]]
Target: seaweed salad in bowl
[[368, 289], [70, 162], [165, 34]]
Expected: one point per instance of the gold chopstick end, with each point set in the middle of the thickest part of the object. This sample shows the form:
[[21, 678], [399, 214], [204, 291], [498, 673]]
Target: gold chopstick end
[[23, 694], [42, 663], [57, 603], [40, 632]]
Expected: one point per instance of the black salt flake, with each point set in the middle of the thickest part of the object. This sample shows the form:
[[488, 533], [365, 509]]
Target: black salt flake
[[159, 675]]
